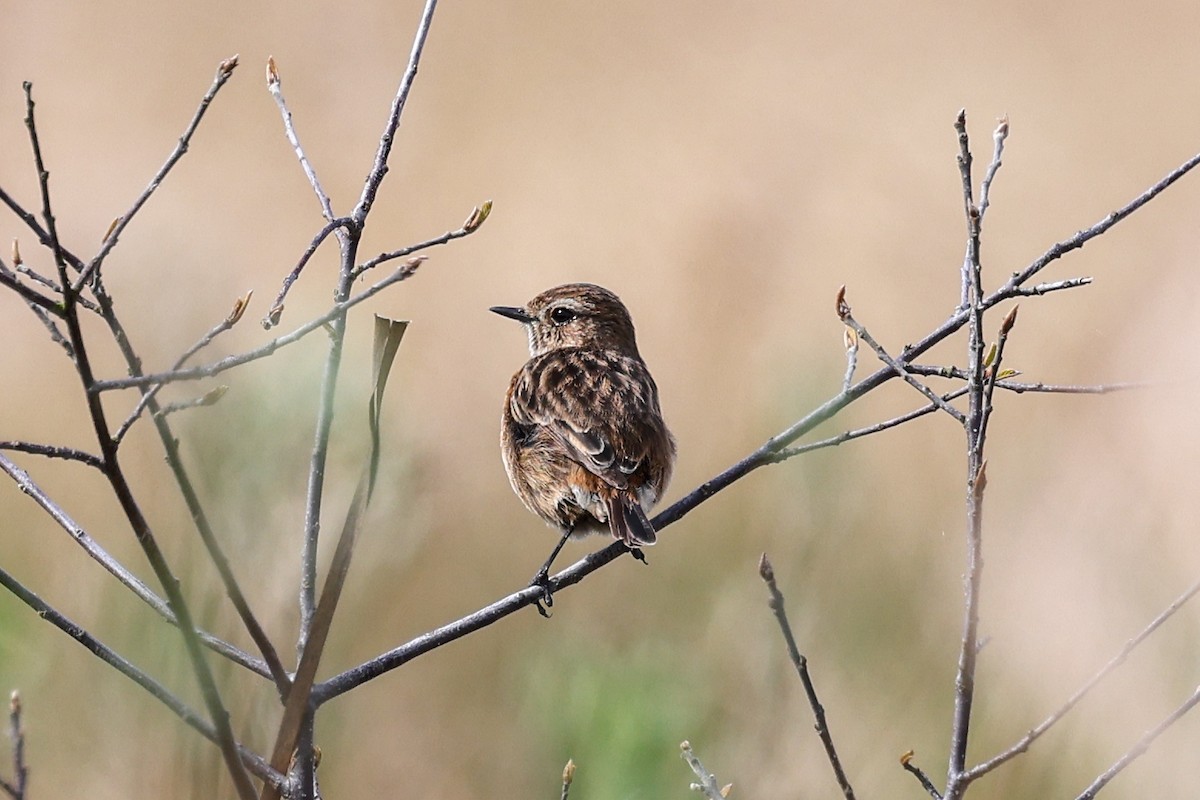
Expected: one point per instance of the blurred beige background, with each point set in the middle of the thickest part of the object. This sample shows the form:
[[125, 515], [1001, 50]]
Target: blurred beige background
[[724, 168]]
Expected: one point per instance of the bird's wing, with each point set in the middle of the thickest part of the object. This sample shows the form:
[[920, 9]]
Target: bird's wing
[[594, 404]]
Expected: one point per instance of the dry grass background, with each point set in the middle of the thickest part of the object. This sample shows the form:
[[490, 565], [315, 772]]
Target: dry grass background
[[723, 167]]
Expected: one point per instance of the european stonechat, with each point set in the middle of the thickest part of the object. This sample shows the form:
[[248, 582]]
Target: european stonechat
[[582, 435]]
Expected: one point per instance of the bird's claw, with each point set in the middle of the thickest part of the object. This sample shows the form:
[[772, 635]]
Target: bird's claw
[[542, 580], [637, 553]]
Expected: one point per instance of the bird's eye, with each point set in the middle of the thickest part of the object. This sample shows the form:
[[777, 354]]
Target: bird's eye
[[561, 315]]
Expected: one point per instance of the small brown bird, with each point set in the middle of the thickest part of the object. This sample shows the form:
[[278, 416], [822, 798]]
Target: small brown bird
[[582, 435]]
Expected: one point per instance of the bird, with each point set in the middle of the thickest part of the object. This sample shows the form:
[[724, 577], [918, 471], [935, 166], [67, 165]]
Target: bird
[[582, 435]]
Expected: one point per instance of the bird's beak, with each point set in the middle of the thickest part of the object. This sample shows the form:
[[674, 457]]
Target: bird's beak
[[512, 313]]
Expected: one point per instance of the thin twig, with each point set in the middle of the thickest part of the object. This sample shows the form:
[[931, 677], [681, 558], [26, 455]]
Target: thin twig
[[985, 188], [1045, 288], [224, 71], [231, 319], [1140, 747], [843, 309], [906, 761], [968, 189], [472, 224], [380, 166], [850, 338], [51, 327], [275, 312], [767, 572], [52, 285], [127, 579], [289, 129], [53, 451], [992, 370], [403, 272], [30, 295], [16, 731], [858, 433], [708, 785], [192, 718]]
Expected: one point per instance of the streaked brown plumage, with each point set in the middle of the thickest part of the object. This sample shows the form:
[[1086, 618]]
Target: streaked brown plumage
[[582, 435]]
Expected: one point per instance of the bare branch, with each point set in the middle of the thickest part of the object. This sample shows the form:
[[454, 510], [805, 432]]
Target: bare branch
[[124, 494], [193, 719], [985, 188], [224, 71], [1045, 288], [53, 451], [127, 579], [1140, 747], [964, 683], [403, 272], [380, 166], [289, 128], [472, 224], [767, 572], [1081, 238], [275, 312]]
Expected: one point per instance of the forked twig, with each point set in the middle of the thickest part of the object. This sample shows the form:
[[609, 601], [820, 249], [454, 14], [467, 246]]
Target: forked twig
[[1034, 733]]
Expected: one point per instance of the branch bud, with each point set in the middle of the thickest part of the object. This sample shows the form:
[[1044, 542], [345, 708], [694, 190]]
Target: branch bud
[[1010, 319], [272, 73], [213, 395], [843, 308], [16, 253], [478, 216], [227, 66], [569, 772], [239, 308], [765, 570], [112, 226]]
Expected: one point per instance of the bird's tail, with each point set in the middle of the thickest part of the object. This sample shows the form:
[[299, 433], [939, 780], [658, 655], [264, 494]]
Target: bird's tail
[[628, 521]]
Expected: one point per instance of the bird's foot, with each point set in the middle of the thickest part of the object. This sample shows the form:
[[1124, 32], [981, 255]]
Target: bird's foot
[[542, 580], [637, 553]]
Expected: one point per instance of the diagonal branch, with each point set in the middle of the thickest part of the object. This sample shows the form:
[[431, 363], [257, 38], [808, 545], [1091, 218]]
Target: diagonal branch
[[127, 579], [403, 272], [224, 71], [1141, 746], [193, 719], [801, 664]]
